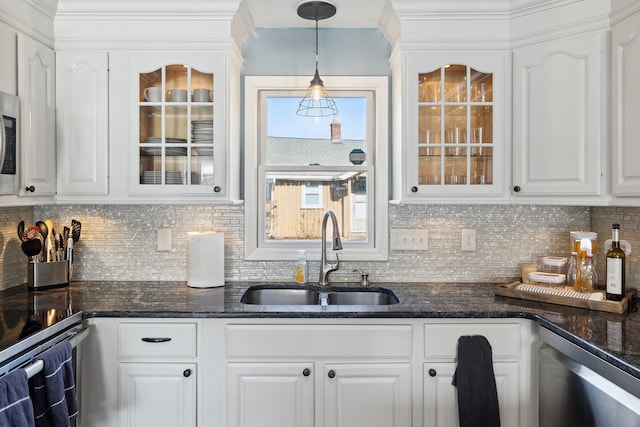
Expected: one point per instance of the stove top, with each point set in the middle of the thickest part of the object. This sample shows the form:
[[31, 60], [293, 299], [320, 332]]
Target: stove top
[[28, 318]]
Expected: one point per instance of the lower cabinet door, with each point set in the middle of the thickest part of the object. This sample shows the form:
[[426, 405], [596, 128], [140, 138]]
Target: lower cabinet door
[[270, 394], [157, 394], [366, 395], [441, 402]]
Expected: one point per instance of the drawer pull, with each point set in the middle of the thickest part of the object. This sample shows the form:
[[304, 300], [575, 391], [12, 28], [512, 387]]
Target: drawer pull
[[187, 373], [306, 372], [331, 373], [156, 339], [432, 372]]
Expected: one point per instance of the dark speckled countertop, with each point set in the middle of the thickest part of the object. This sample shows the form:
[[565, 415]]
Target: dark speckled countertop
[[586, 328]]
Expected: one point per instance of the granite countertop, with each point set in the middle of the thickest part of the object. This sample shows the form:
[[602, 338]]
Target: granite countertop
[[589, 329]]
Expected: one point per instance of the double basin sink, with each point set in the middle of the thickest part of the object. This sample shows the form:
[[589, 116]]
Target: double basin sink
[[317, 298]]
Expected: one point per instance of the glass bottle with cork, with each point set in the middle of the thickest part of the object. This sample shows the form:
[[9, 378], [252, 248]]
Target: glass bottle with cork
[[616, 287]]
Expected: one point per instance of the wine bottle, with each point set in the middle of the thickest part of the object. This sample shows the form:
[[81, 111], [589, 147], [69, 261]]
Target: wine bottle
[[616, 288]]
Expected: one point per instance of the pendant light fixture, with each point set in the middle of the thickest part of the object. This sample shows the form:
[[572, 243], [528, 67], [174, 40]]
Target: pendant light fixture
[[316, 102]]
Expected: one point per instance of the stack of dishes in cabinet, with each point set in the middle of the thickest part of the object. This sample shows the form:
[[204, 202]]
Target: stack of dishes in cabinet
[[155, 177], [202, 133]]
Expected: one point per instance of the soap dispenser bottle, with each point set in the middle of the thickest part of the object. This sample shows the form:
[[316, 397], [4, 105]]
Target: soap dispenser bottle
[[301, 267]]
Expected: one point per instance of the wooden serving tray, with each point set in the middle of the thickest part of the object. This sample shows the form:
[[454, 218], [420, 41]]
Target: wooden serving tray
[[619, 307]]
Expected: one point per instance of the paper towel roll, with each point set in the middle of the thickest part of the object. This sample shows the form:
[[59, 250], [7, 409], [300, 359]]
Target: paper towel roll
[[205, 260]]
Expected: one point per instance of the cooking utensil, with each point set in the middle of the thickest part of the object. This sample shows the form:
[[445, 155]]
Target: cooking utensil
[[31, 248], [76, 227], [48, 243], [44, 232], [21, 231]]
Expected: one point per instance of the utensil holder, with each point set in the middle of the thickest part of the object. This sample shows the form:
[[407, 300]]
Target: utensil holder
[[45, 275]]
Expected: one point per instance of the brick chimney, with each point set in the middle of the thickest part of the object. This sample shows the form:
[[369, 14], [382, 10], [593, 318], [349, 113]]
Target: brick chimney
[[336, 131]]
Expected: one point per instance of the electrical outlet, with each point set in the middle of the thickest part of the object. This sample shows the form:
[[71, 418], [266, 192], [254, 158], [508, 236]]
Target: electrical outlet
[[409, 239], [164, 239], [468, 239]]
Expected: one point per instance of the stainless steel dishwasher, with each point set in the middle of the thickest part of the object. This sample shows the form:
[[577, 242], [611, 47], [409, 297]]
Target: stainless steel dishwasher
[[576, 388]]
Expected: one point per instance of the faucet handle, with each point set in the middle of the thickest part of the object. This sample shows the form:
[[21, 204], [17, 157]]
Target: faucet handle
[[364, 277]]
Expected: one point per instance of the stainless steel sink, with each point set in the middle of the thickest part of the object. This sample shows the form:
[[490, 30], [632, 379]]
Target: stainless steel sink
[[317, 298], [373, 297], [257, 295]]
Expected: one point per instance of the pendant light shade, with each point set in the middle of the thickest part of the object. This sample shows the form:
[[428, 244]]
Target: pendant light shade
[[316, 102]]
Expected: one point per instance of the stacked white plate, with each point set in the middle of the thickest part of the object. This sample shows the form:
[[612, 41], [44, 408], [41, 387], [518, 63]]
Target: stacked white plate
[[155, 177], [169, 151], [202, 131], [158, 140]]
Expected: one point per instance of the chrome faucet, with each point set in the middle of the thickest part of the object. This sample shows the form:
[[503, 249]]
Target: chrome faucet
[[326, 267]]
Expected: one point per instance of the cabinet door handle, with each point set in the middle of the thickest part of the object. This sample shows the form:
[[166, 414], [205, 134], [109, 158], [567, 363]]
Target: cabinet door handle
[[156, 339], [306, 372], [432, 372], [331, 373], [217, 189], [30, 189], [187, 373], [517, 189], [414, 189]]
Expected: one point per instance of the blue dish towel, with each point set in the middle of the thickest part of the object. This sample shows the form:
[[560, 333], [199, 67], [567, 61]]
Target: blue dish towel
[[16, 409], [53, 390], [476, 383]]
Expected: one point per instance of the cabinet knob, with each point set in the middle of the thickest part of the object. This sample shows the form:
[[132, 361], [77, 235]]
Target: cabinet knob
[[517, 188], [187, 373], [331, 373], [30, 189], [217, 189], [432, 372], [306, 372], [414, 189]]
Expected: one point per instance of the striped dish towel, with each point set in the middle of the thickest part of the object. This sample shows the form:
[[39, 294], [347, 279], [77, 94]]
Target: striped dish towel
[[15, 404], [53, 390], [561, 291]]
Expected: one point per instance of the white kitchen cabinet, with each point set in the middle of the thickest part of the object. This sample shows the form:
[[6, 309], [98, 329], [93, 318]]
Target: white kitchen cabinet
[[440, 396], [625, 104], [36, 88], [8, 67], [140, 372], [440, 352], [456, 121], [271, 394], [82, 89], [176, 140], [324, 374], [367, 394], [559, 117], [157, 394]]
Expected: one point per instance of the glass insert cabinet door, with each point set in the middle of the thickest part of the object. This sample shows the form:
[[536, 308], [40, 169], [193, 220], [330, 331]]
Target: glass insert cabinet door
[[176, 142], [455, 141]]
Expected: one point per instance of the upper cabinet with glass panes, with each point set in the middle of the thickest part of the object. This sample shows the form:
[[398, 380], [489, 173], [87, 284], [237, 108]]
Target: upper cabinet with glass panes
[[179, 143], [455, 130]]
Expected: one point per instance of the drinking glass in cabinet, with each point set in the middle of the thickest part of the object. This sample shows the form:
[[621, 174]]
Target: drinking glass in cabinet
[[429, 86], [481, 86], [455, 83], [202, 166]]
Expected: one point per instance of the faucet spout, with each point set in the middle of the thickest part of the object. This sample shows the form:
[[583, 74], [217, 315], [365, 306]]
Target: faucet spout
[[327, 267]]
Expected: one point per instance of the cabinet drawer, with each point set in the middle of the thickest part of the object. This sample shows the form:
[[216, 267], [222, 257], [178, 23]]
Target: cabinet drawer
[[441, 340], [157, 340], [319, 341]]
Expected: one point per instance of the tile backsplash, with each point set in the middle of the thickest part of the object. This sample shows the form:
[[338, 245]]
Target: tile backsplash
[[118, 242]]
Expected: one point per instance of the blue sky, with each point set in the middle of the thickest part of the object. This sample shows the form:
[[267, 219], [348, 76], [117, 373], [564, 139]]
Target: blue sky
[[282, 120]]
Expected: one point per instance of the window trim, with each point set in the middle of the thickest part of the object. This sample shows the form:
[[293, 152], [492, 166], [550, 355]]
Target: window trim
[[378, 247]]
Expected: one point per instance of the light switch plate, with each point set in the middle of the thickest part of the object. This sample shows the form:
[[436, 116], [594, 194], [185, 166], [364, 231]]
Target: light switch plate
[[409, 239]]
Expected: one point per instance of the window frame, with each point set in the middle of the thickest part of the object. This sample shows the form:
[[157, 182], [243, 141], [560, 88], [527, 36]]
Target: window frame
[[376, 246]]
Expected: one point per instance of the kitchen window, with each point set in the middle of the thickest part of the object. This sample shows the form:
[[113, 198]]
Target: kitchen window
[[296, 168]]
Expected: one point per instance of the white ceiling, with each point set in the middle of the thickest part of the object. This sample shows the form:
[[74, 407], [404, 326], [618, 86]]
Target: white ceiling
[[349, 14]]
